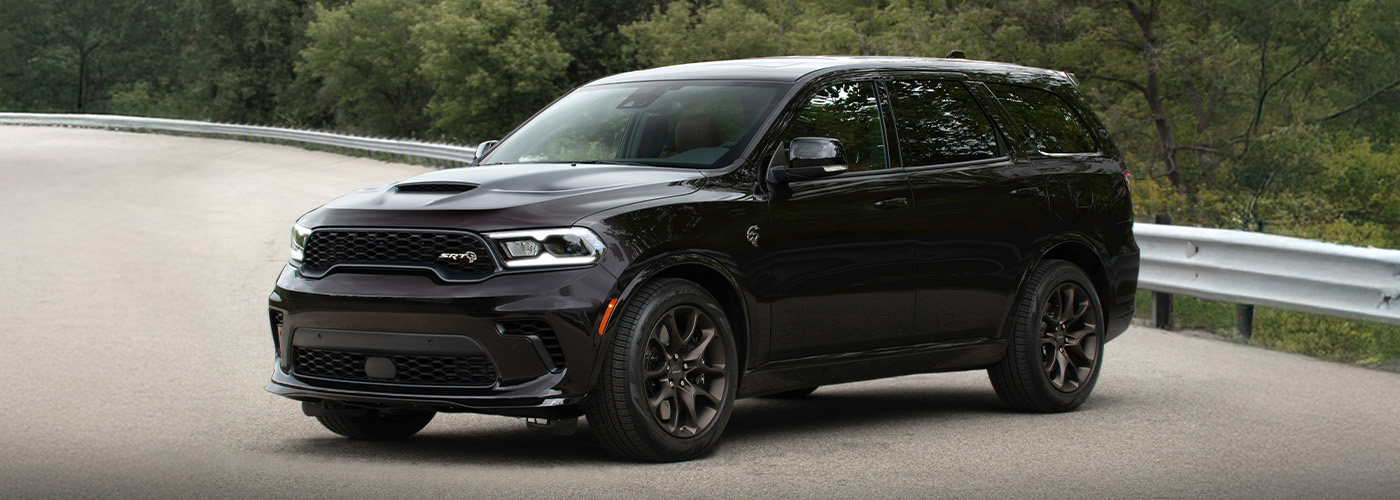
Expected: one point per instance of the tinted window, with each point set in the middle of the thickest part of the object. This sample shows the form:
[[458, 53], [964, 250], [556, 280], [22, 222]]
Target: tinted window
[[1053, 126], [848, 112], [685, 124], [940, 122]]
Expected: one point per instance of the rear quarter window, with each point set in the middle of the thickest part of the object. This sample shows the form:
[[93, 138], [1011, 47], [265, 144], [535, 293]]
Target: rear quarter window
[[1051, 124]]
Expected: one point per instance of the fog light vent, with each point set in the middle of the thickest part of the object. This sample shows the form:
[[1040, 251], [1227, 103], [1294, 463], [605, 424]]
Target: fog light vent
[[537, 328]]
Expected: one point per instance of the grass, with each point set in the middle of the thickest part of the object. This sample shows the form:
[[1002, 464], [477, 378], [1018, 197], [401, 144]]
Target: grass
[[1351, 341]]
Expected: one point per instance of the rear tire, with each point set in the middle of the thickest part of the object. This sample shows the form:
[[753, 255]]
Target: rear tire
[[669, 375], [379, 425], [1056, 348]]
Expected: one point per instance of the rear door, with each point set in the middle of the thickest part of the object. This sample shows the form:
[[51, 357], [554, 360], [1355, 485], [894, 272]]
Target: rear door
[[979, 212]]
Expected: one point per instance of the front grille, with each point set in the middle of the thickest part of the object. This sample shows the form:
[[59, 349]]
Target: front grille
[[539, 329], [426, 370], [434, 188], [424, 249]]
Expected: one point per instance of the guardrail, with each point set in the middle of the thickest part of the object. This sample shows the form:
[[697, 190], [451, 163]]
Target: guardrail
[[1270, 270], [432, 154], [1213, 264]]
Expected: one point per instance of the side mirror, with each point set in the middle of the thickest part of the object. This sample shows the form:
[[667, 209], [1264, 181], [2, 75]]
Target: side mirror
[[482, 149], [808, 158]]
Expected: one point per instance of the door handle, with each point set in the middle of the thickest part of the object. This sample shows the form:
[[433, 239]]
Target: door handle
[[892, 203], [1027, 192]]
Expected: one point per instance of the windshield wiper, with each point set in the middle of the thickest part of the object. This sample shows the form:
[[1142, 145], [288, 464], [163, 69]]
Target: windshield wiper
[[608, 162]]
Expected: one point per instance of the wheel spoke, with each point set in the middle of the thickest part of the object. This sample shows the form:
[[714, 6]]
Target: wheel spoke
[[690, 328], [709, 369], [687, 397], [1079, 308], [675, 423], [1062, 369], [1066, 303], [1090, 349], [673, 330], [665, 393], [705, 393], [699, 350], [1077, 336]]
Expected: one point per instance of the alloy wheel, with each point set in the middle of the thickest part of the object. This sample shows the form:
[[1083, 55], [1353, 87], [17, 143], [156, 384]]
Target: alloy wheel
[[1069, 341], [684, 371]]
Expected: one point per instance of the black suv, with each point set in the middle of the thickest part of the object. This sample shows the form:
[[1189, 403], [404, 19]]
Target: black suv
[[657, 244]]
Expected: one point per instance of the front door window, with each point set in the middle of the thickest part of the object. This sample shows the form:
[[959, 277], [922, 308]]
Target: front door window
[[848, 112]]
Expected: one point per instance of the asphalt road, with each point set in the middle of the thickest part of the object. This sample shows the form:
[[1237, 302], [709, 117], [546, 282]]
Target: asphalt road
[[134, 347]]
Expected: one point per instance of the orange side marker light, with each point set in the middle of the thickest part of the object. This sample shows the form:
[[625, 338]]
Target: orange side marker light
[[606, 315]]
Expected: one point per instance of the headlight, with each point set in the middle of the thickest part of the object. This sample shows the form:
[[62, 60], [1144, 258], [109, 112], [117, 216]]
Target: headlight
[[570, 246], [299, 235]]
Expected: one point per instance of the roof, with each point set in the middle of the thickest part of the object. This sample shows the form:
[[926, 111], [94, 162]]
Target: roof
[[796, 68]]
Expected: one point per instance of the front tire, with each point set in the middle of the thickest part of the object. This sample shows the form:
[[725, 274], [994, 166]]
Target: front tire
[[669, 376], [379, 425], [1056, 349]]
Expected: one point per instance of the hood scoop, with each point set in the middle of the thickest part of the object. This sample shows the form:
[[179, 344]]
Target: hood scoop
[[435, 187]]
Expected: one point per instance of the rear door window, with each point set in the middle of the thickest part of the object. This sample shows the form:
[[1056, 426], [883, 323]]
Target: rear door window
[[938, 121], [1051, 124]]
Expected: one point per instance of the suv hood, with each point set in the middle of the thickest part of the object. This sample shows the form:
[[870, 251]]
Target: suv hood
[[502, 197]]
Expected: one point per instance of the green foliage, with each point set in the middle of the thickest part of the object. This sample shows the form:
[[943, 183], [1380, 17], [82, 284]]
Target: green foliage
[[491, 63], [680, 34], [368, 68], [254, 47], [587, 30], [71, 55]]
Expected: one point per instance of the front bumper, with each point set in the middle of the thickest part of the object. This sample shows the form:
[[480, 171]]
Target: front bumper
[[537, 372]]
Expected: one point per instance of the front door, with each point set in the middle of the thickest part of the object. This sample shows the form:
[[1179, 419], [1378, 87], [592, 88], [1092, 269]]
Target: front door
[[839, 259]]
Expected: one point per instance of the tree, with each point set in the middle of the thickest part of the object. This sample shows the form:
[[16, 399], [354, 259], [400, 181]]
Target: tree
[[680, 34], [67, 56], [368, 66], [587, 30], [255, 46], [491, 64]]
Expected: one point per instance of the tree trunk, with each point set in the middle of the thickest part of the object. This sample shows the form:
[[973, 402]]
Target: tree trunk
[[1152, 90], [82, 78]]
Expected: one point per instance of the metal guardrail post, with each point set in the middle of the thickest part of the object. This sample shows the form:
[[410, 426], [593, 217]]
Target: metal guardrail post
[[1244, 313], [1162, 301], [1244, 321]]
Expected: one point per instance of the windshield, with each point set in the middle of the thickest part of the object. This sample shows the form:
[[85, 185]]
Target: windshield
[[682, 124]]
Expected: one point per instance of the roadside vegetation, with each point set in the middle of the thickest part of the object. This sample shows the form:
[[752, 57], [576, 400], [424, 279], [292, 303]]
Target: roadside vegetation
[[1266, 115]]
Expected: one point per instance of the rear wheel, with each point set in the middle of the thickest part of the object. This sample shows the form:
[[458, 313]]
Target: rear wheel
[[1054, 354], [669, 375], [379, 425]]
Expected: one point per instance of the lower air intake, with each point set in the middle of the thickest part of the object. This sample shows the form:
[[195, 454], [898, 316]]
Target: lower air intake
[[425, 370]]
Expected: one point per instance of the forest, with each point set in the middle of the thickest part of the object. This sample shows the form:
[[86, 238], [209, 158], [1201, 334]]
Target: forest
[[1263, 115]]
